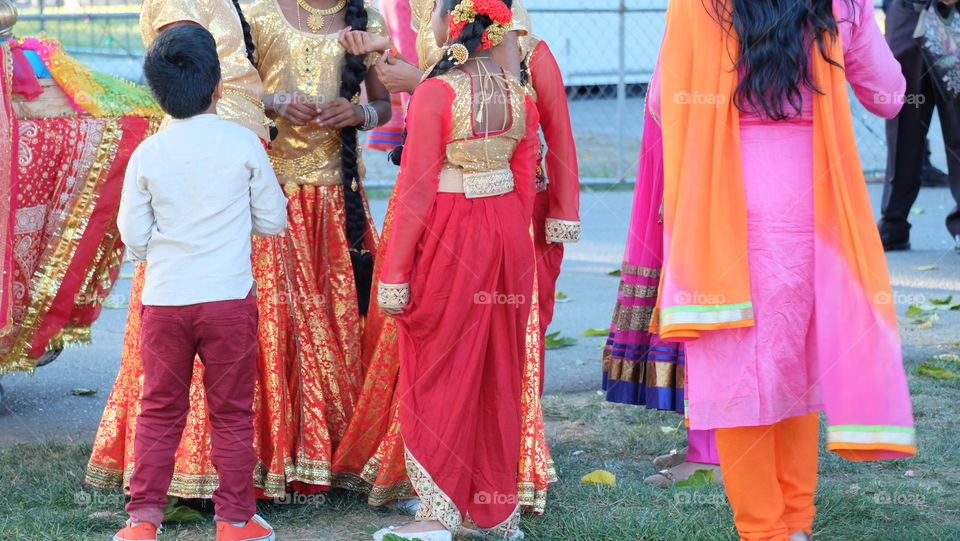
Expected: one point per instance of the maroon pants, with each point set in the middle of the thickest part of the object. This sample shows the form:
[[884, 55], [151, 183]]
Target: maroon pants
[[224, 335]]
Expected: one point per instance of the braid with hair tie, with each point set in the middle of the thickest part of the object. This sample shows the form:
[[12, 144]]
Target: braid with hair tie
[[353, 74], [247, 35], [472, 37]]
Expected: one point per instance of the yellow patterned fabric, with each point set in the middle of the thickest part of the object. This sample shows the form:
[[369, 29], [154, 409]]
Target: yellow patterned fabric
[[294, 60], [242, 88]]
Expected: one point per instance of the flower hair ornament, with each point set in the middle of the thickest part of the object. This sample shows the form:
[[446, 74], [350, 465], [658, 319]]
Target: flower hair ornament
[[466, 12], [458, 53]]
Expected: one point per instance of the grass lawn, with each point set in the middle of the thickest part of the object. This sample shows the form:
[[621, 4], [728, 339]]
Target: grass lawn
[[43, 498]]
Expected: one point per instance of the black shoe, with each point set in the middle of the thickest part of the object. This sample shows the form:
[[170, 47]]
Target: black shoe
[[894, 243], [933, 177]]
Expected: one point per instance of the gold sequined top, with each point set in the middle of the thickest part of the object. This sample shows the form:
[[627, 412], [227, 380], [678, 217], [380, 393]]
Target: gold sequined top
[[428, 52], [475, 152], [291, 60], [242, 89]]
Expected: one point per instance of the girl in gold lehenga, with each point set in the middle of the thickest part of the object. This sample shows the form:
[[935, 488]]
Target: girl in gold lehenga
[[313, 282]]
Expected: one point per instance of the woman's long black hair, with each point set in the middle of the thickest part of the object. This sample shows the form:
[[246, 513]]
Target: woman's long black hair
[[775, 45], [353, 75], [247, 35], [471, 37]]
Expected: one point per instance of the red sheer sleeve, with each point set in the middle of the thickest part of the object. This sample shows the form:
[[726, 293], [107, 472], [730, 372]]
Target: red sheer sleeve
[[428, 130], [524, 160], [562, 168]]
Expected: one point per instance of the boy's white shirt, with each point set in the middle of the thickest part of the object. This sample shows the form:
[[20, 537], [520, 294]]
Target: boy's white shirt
[[193, 195]]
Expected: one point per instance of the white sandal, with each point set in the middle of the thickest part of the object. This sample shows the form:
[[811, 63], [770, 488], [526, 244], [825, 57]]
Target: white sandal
[[429, 535]]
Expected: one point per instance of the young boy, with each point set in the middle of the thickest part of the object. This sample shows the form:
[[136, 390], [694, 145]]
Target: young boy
[[192, 196]]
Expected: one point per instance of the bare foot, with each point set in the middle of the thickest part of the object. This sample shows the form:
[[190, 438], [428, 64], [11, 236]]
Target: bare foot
[[419, 526]]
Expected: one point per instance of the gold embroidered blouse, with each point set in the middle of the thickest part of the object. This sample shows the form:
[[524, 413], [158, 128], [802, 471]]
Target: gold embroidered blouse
[[293, 60], [473, 152], [242, 89]]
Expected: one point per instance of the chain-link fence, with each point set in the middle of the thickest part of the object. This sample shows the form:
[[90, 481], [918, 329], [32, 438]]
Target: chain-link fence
[[607, 50]]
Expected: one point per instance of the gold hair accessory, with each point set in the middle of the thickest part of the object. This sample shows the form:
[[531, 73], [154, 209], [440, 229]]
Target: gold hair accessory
[[458, 53], [317, 19]]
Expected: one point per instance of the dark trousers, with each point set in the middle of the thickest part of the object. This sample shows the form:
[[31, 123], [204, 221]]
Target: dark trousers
[[906, 133], [224, 335]]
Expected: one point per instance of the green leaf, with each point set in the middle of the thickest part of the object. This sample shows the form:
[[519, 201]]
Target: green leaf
[[913, 311], [947, 358], [555, 341], [560, 296], [617, 272], [927, 268], [917, 211], [668, 429], [934, 371], [395, 537], [110, 304], [181, 513], [940, 302], [596, 332], [699, 479], [80, 391]]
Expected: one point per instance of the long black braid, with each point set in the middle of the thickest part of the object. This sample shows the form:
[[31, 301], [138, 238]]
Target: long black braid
[[354, 73], [247, 35], [470, 37]]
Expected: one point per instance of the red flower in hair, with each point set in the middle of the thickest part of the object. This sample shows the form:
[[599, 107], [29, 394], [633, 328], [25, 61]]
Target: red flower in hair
[[456, 28], [495, 9]]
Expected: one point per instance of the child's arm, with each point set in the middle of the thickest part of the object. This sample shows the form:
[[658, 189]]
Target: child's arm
[[268, 204], [135, 218]]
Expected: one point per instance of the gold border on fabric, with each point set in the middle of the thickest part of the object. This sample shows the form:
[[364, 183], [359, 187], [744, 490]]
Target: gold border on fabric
[[704, 318], [434, 503], [879, 437], [54, 262], [636, 270], [6, 158], [633, 318], [637, 291]]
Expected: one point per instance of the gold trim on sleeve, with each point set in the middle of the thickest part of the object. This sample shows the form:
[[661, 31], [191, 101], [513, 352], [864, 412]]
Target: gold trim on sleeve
[[393, 295], [562, 230]]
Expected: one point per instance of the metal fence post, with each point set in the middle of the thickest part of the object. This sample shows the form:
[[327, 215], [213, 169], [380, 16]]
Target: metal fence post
[[622, 91]]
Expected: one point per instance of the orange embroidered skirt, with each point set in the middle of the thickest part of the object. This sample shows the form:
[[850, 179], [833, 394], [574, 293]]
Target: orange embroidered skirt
[[310, 365]]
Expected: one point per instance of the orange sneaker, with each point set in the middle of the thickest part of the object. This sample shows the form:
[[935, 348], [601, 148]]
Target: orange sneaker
[[141, 531], [256, 529]]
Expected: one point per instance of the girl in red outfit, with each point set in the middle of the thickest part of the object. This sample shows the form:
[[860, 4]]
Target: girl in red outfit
[[458, 276]]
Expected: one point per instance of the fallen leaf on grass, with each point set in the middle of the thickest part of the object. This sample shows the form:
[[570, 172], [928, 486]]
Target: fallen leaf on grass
[[928, 268], [699, 479], [947, 357], [395, 537], [934, 371], [113, 305], [917, 211], [577, 453], [180, 513], [599, 477], [80, 391], [941, 302], [668, 429], [555, 341], [923, 317], [596, 332], [617, 272], [560, 296], [103, 514], [909, 473]]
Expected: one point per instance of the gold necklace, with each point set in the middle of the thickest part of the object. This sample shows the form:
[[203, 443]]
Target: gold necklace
[[317, 18]]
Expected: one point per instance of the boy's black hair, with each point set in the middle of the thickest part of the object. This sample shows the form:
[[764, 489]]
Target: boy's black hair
[[182, 70]]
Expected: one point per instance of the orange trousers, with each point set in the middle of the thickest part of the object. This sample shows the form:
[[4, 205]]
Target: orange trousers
[[770, 475]]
